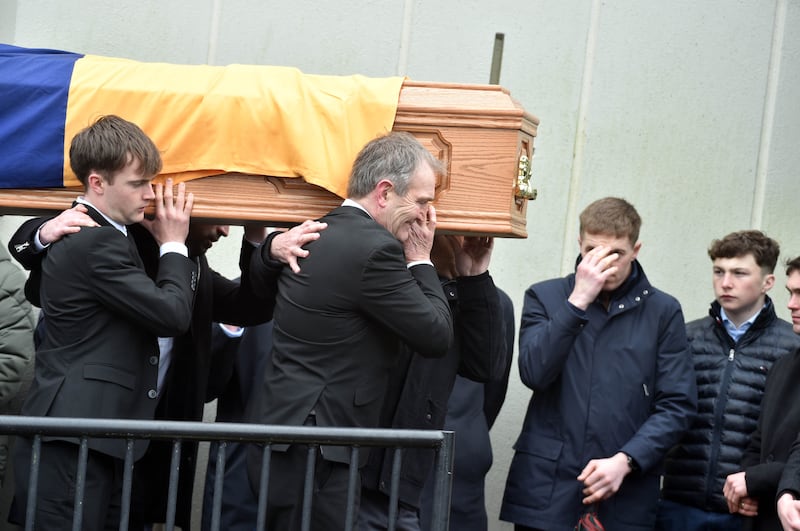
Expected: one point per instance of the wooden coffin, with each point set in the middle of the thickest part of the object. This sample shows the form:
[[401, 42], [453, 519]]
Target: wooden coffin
[[484, 138]]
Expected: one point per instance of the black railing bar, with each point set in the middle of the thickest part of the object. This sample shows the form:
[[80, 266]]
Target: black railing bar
[[80, 485], [442, 483], [349, 521], [148, 429], [33, 485], [263, 488], [394, 488], [308, 487], [219, 475], [127, 487], [172, 489]]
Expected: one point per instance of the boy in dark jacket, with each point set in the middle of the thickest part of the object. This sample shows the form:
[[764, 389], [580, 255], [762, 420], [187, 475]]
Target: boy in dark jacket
[[733, 348]]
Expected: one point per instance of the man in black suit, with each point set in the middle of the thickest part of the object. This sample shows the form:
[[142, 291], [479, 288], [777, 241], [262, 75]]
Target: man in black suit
[[367, 285], [185, 362], [99, 357], [765, 488]]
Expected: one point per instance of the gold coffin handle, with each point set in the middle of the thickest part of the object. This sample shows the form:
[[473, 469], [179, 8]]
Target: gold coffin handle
[[524, 188]]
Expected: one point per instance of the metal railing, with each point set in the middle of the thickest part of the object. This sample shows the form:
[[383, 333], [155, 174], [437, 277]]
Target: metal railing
[[129, 430]]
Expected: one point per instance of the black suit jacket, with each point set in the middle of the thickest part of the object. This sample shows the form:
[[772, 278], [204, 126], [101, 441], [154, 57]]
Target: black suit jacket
[[190, 372], [99, 357], [338, 325], [193, 368], [418, 390], [770, 445]]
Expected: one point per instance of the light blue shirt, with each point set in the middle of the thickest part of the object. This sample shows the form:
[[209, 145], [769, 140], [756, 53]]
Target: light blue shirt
[[737, 332]]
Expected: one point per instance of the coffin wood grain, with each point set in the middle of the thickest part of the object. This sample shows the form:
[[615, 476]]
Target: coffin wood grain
[[478, 131]]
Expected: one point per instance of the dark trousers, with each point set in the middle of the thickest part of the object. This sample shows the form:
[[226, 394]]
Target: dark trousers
[[286, 484], [239, 505], [58, 469], [678, 517], [373, 514]]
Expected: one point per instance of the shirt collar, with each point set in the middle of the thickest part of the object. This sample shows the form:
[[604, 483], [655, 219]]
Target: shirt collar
[[353, 203], [122, 228], [734, 331]]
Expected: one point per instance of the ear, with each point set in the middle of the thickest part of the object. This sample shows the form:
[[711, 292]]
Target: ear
[[96, 183], [636, 248], [769, 281], [382, 190]]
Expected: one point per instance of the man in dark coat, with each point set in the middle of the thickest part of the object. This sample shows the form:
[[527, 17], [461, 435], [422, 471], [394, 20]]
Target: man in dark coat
[[606, 356], [240, 357], [418, 390], [471, 412], [184, 361], [99, 357], [367, 285]]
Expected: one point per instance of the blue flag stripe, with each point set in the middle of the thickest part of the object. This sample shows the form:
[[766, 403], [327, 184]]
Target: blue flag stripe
[[34, 88]]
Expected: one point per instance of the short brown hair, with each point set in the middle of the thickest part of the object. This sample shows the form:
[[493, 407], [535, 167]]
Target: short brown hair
[[764, 249], [611, 216], [110, 144], [792, 265]]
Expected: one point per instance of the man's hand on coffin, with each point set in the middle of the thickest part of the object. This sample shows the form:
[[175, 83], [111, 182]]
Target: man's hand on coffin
[[417, 246], [287, 246], [68, 222], [473, 254], [171, 221]]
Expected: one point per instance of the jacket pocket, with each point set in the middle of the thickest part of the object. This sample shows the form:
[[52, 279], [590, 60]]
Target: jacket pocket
[[533, 470], [107, 373]]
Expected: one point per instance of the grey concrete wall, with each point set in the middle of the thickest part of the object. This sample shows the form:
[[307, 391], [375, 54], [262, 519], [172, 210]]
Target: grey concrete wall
[[688, 109]]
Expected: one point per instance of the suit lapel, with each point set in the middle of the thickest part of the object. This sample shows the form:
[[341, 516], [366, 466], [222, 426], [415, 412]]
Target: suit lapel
[[102, 221]]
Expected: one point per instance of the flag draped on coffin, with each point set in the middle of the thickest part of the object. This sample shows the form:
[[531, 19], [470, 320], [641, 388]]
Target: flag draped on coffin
[[206, 120]]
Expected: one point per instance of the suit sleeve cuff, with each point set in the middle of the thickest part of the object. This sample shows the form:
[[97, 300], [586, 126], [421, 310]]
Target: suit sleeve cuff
[[419, 262], [173, 247]]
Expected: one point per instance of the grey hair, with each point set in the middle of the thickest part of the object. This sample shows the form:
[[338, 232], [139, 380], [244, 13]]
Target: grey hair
[[396, 157]]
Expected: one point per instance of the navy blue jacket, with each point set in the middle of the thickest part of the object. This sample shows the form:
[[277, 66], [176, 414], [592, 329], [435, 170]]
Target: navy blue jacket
[[615, 380]]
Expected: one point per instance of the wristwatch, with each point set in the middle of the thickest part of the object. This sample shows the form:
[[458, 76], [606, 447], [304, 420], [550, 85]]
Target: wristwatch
[[632, 463]]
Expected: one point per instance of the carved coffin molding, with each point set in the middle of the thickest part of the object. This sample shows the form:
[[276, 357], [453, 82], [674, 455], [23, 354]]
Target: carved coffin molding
[[478, 131]]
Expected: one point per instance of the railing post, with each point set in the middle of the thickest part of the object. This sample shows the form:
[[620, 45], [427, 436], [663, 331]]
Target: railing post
[[127, 487], [80, 485], [443, 483], [219, 476], [352, 483], [172, 492]]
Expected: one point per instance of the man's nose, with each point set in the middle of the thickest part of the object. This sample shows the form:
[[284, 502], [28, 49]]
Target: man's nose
[[223, 230], [149, 194], [423, 211]]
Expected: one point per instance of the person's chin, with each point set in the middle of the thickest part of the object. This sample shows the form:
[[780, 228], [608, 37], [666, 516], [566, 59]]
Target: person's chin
[[608, 287]]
